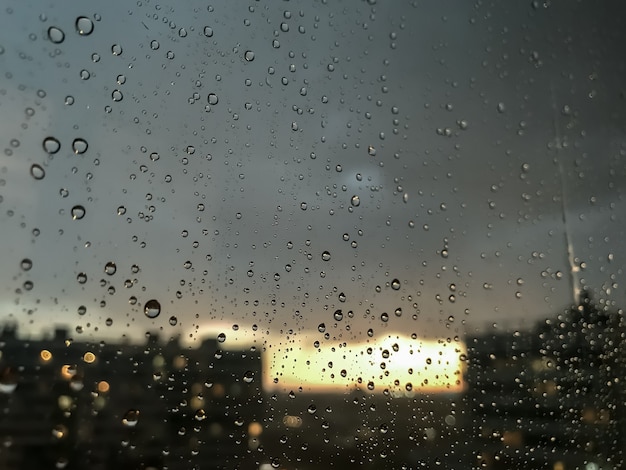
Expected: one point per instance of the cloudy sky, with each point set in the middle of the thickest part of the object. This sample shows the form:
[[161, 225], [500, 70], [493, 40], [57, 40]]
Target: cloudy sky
[[231, 146]]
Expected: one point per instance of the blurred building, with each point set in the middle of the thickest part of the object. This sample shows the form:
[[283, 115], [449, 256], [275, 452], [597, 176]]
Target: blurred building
[[552, 397], [74, 405]]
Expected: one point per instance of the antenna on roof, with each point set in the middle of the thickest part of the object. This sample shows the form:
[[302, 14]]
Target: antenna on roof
[[573, 267]]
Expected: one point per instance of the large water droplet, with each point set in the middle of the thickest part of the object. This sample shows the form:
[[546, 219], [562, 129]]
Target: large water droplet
[[37, 171], [326, 256], [26, 264], [248, 377], [221, 338], [152, 309], [249, 56], [56, 35], [338, 315], [78, 212], [131, 418], [321, 328], [208, 31], [80, 146], [355, 201], [81, 278], [213, 99], [110, 268], [395, 284], [84, 26], [51, 145]]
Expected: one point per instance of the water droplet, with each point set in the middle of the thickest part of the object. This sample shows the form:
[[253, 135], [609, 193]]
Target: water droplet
[[312, 409], [208, 31], [117, 95], [56, 35], [200, 415], [173, 320], [221, 337], [321, 327], [371, 151], [84, 26], [152, 308], [248, 377], [338, 315], [501, 108], [398, 312], [131, 418], [154, 45], [116, 49], [384, 317], [342, 297], [79, 146], [81, 278], [355, 201], [395, 284], [249, 56], [78, 212], [326, 256], [26, 264], [51, 145], [82, 310], [110, 268], [37, 171], [213, 99]]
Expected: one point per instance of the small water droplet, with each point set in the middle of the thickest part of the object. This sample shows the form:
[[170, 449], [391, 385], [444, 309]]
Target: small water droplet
[[221, 337], [249, 56], [131, 418], [355, 201], [117, 95], [208, 31], [326, 256], [321, 327], [78, 212], [395, 284], [51, 145], [152, 308], [84, 26], [338, 315], [37, 171], [213, 99], [501, 108], [79, 146], [81, 278], [116, 49], [56, 35], [248, 377], [110, 268], [398, 312], [173, 320], [384, 317]]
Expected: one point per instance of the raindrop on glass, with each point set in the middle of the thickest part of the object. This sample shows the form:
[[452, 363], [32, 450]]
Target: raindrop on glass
[[213, 99], [51, 145], [338, 315], [249, 56], [84, 26], [110, 268], [355, 201], [395, 284], [152, 309], [248, 377], [326, 256], [26, 264], [55, 35], [221, 338], [131, 418], [79, 146], [78, 212], [37, 171]]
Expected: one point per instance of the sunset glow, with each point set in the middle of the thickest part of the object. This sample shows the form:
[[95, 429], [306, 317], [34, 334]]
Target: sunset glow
[[400, 364]]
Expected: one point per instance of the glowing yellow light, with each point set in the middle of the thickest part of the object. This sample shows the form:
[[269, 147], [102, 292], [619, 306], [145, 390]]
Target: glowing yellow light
[[45, 355], [103, 386], [89, 357], [255, 429], [397, 363], [292, 421]]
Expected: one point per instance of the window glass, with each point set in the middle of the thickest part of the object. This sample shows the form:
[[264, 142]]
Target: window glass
[[297, 235]]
